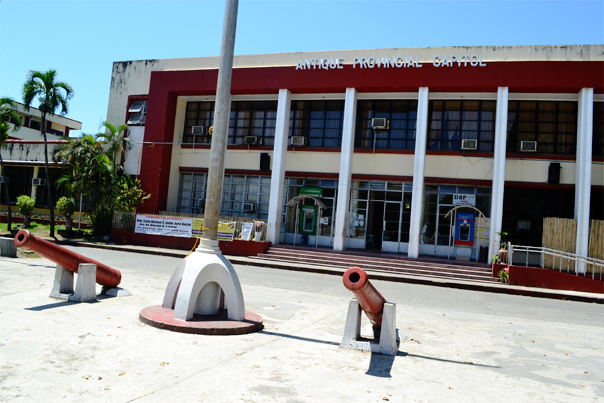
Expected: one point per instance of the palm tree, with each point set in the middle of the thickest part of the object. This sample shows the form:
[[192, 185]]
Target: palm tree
[[117, 142], [52, 96], [90, 174], [8, 109]]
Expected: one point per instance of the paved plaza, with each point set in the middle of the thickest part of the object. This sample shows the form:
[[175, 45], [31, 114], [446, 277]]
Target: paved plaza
[[58, 351]]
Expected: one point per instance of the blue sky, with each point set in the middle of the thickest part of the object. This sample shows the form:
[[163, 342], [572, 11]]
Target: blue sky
[[81, 39]]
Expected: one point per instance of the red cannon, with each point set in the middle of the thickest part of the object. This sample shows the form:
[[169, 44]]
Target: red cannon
[[370, 300], [105, 275]]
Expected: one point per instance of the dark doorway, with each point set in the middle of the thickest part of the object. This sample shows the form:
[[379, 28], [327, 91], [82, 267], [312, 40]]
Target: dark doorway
[[375, 222]]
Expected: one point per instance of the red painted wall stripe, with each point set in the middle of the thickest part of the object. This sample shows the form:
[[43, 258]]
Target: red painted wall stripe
[[166, 86]]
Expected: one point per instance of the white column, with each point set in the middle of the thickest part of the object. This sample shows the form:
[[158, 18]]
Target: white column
[[501, 123], [583, 171], [34, 189], [417, 197], [275, 206], [350, 113]]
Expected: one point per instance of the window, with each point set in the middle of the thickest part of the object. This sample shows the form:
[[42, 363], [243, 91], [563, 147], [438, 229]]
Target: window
[[34, 124], [13, 121], [42, 192], [257, 119], [192, 193], [402, 117], [198, 114], [319, 121], [598, 130], [553, 125], [242, 196], [138, 109], [19, 181], [453, 121], [56, 132], [245, 196]]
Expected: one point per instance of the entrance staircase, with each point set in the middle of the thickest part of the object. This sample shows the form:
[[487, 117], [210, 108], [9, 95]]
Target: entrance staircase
[[426, 267]]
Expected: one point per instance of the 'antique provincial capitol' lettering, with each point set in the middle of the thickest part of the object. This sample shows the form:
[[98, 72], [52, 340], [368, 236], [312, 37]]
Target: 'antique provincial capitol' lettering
[[390, 62]]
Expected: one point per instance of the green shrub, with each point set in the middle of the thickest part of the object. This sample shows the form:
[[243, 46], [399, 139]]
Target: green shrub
[[65, 207], [26, 205]]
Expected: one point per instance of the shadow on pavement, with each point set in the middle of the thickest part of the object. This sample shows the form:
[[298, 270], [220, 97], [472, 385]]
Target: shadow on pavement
[[380, 365], [289, 336], [403, 354]]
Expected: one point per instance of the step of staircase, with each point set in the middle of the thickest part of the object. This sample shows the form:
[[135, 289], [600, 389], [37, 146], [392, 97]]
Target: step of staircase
[[382, 262]]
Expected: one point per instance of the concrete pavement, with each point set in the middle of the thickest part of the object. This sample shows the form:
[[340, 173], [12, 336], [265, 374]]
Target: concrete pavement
[[381, 275], [56, 351]]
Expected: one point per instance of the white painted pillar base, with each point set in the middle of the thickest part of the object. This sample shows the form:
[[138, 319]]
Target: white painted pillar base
[[417, 197], [275, 205], [583, 172], [85, 290], [203, 283], [62, 284], [389, 337], [343, 203], [501, 122]]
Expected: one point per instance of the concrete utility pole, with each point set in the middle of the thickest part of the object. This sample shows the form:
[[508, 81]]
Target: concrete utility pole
[[206, 282], [221, 122]]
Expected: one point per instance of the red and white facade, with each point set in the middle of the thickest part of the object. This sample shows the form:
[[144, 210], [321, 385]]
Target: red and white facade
[[535, 113]]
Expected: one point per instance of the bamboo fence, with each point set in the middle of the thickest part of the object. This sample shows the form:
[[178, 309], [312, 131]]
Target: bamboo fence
[[561, 234]]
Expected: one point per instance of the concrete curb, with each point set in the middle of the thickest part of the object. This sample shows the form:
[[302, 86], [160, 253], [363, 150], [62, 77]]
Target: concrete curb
[[377, 275]]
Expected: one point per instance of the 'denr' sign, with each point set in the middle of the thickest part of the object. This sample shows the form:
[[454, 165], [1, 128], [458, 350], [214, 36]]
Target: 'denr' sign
[[464, 200]]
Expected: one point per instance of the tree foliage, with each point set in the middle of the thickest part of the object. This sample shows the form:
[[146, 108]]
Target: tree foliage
[[52, 97], [93, 168], [8, 112]]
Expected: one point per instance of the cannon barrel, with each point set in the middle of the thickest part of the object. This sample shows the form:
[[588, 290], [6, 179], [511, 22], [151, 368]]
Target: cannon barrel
[[370, 300], [105, 275]]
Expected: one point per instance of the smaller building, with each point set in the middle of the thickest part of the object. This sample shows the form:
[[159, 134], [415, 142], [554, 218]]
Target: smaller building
[[24, 156]]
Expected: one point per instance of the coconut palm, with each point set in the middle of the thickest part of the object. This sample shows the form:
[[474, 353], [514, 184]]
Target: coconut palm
[[8, 109], [52, 96], [116, 141]]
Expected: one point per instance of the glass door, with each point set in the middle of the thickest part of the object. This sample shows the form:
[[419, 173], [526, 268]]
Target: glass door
[[392, 226]]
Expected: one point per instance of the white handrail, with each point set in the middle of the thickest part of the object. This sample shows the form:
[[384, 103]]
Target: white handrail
[[595, 263]]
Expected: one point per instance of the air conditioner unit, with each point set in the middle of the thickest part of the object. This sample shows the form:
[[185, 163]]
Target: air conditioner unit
[[249, 207], [197, 130], [299, 141], [469, 144], [379, 123], [38, 182], [528, 146], [252, 140], [3, 179]]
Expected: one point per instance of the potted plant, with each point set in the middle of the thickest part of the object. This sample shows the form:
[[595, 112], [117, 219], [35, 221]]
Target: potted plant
[[503, 252], [504, 275], [66, 207], [26, 206]]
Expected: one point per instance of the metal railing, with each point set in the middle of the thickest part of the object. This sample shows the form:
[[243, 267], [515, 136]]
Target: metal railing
[[561, 261]]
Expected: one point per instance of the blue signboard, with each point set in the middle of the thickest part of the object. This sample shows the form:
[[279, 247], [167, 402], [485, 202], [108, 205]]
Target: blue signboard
[[464, 229]]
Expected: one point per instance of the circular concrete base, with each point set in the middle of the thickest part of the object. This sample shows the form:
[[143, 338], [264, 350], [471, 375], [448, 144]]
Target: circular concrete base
[[219, 324]]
